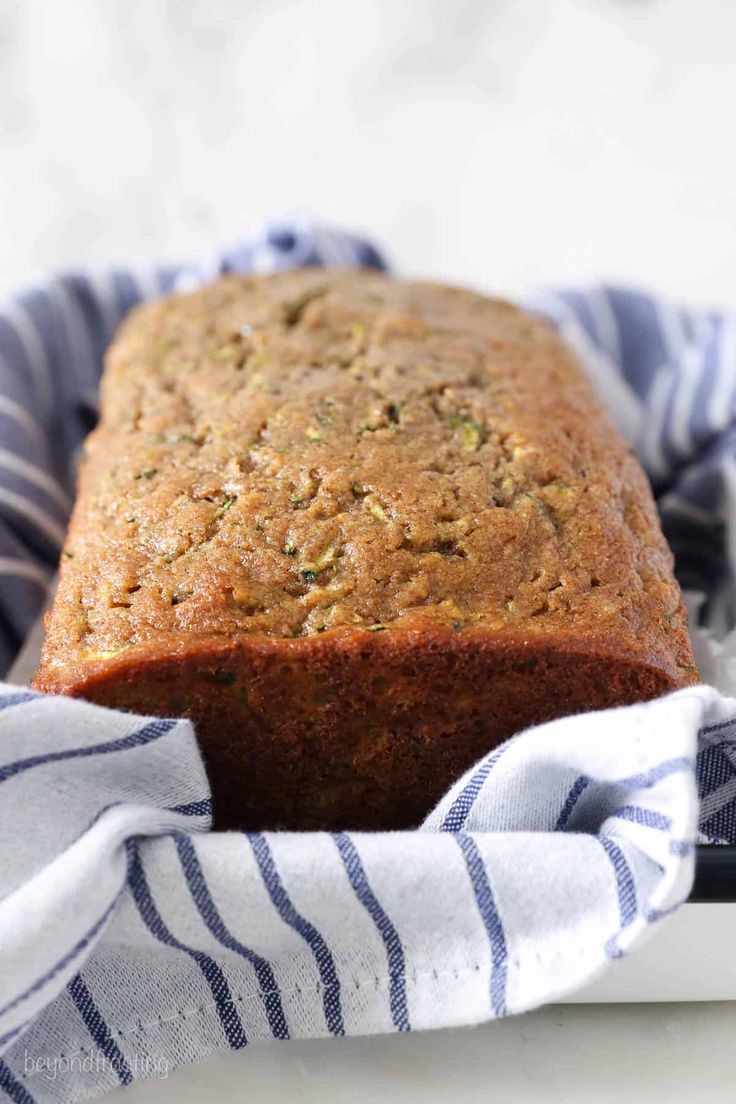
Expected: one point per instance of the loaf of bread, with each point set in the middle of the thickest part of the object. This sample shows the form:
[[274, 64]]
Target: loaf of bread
[[360, 530]]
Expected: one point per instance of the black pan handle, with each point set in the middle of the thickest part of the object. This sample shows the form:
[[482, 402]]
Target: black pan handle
[[715, 873]]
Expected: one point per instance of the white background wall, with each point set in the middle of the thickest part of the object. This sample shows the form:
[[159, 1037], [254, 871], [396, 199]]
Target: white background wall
[[500, 142]]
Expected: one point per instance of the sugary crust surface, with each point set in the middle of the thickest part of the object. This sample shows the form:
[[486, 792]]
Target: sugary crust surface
[[319, 458]]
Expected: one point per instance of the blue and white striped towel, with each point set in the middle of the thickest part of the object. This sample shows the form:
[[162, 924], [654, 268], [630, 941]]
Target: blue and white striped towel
[[133, 940]]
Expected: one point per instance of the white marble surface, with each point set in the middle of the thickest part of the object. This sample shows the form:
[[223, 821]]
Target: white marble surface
[[623, 1054], [503, 142], [500, 142]]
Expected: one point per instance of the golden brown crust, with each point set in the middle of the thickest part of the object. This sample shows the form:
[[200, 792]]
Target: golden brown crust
[[338, 477]]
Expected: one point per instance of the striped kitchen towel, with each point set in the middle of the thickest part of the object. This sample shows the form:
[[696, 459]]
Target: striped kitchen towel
[[133, 940]]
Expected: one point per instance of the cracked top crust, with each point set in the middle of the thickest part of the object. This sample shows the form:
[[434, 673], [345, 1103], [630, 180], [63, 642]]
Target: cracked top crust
[[324, 451]]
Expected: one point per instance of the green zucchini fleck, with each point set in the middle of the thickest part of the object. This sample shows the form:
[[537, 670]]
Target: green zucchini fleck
[[311, 570], [223, 508], [470, 432], [325, 613]]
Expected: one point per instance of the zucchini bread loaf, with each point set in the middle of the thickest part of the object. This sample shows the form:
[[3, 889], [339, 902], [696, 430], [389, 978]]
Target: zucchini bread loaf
[[360, 531]]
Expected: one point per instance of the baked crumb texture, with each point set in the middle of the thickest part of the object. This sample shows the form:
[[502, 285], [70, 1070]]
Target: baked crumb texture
[[361, 530]]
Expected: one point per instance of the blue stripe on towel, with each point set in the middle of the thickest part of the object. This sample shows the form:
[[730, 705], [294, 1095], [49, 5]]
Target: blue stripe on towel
[[126, 289], [10, 1085], [576, 792], [9, 701], [98, 1029], [391, 941], [200, 808], [625, 887], [331, 999], [643, 348], [208, 911], [146, 735], [491, 920], [459, 811], [709, 729], [646, 779], [10, 1035], [213, 975], [648, 818], [66, 959]]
